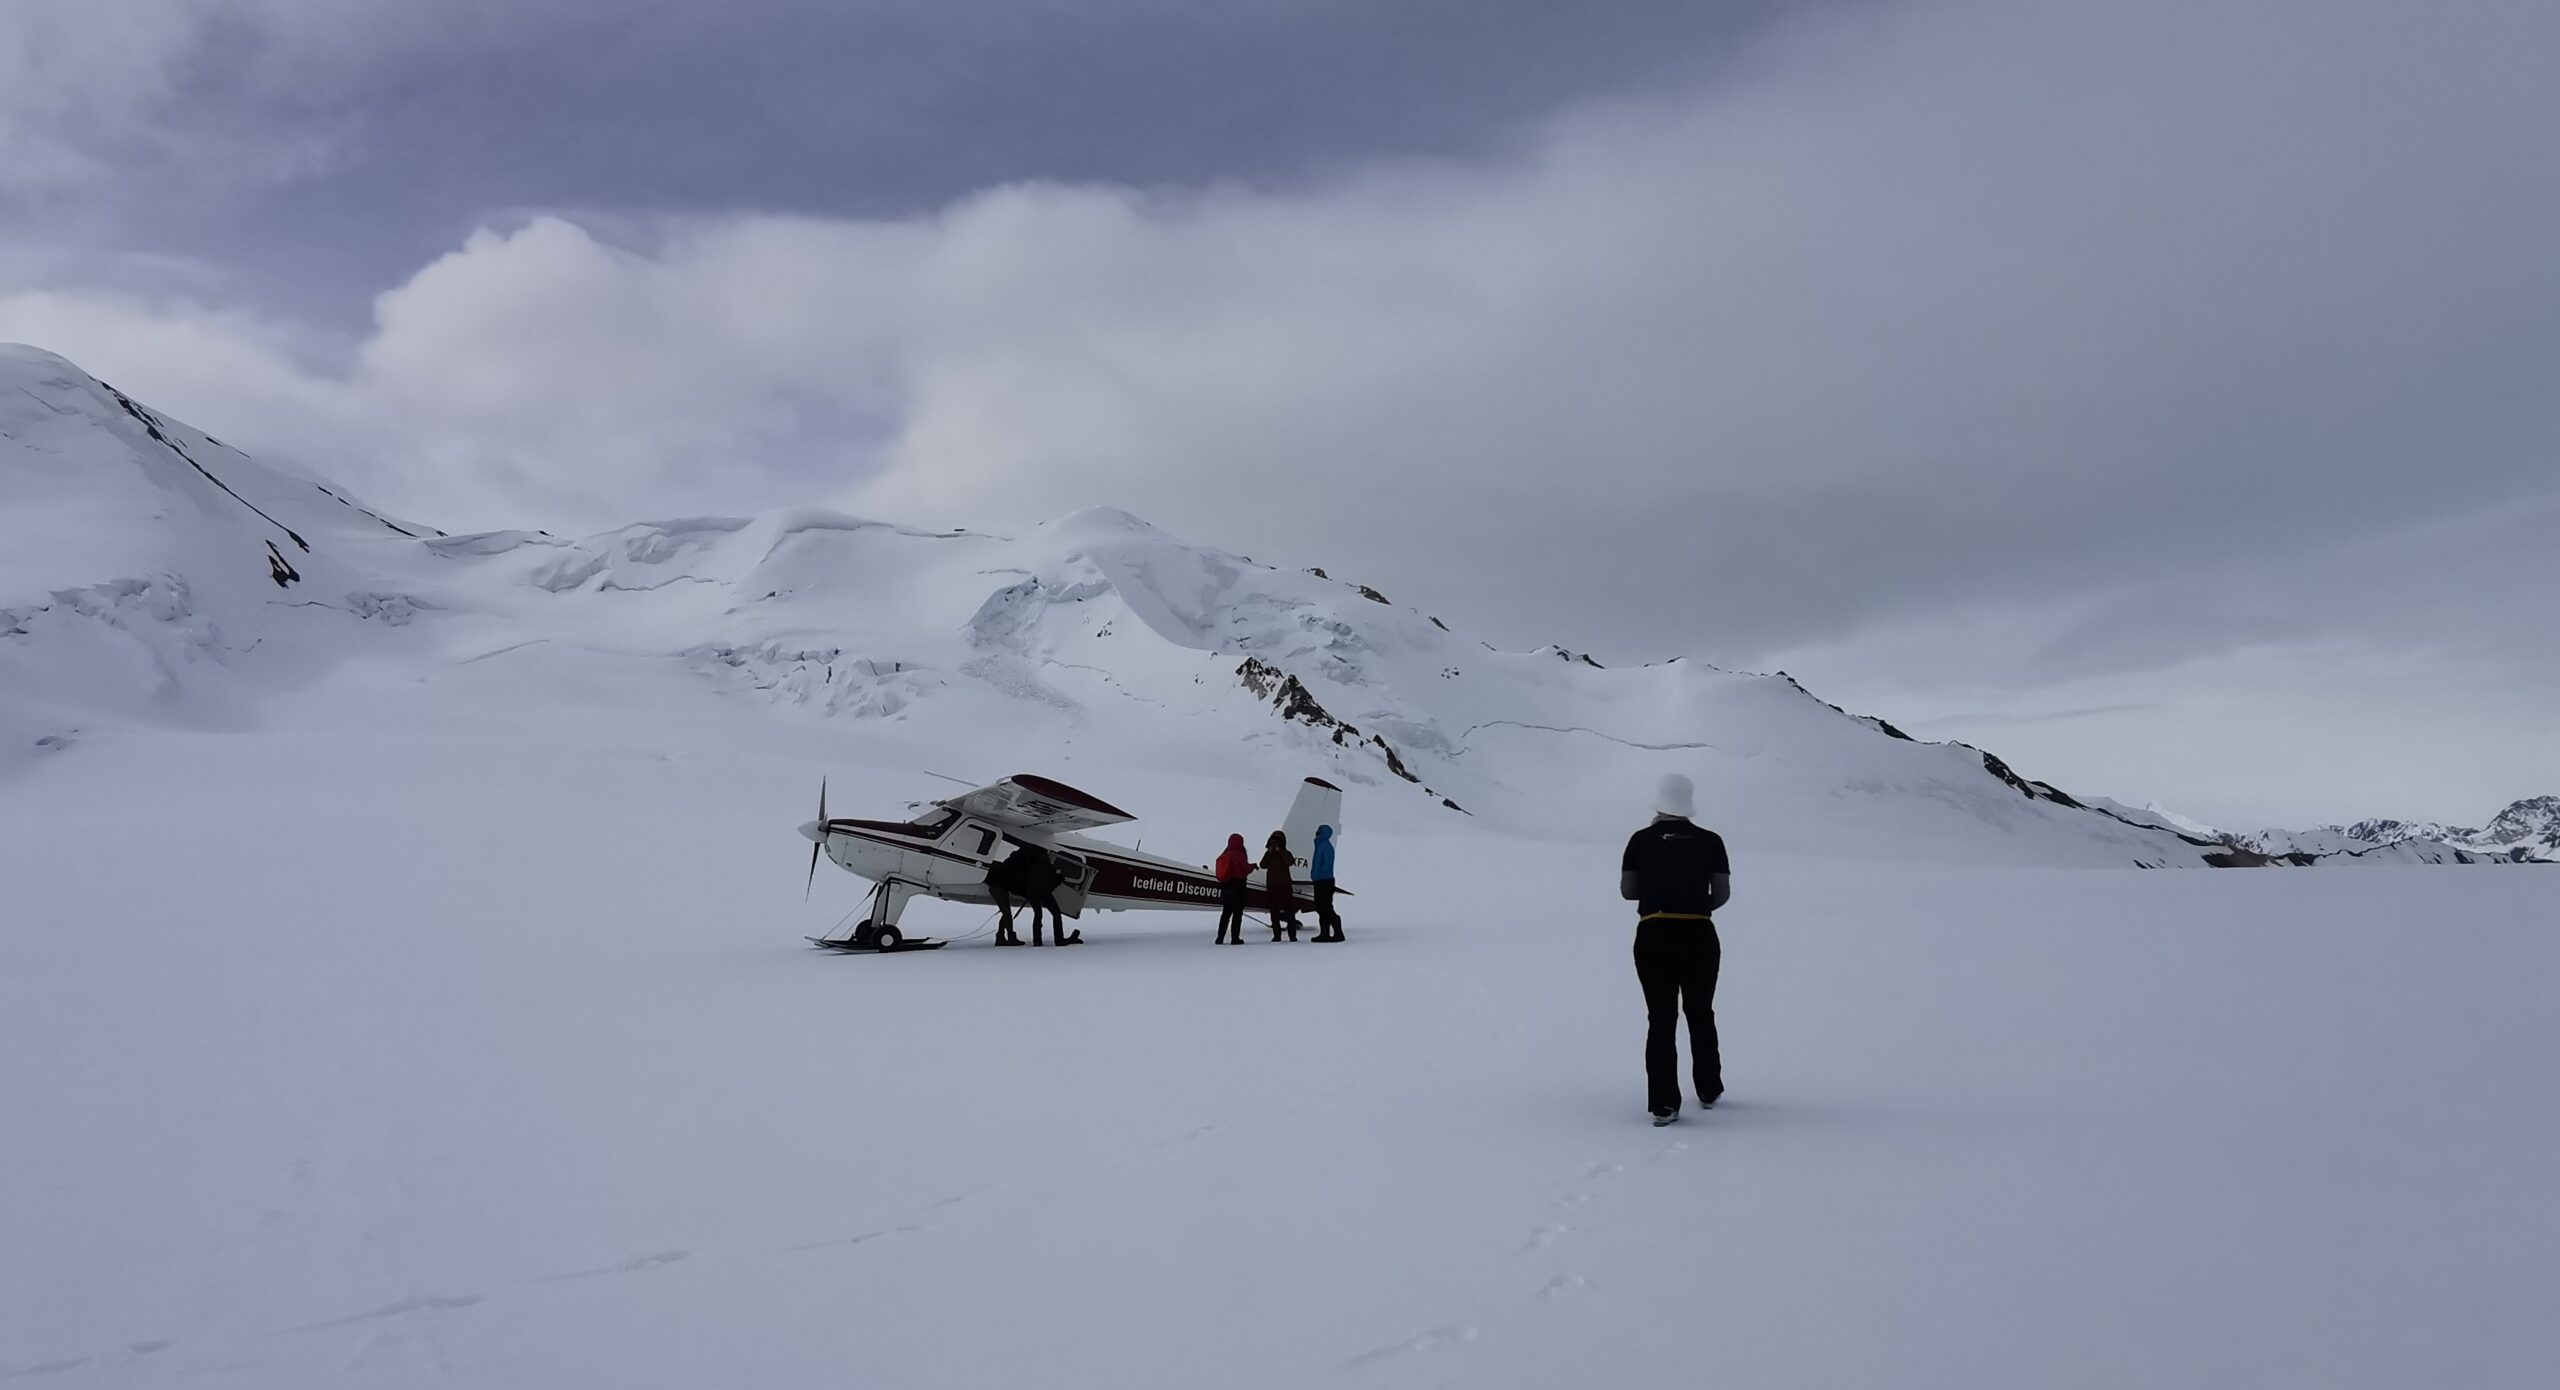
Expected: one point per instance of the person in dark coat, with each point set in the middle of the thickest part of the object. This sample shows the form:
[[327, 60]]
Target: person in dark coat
[[1004, 884], [1677, 874], [1235, 867], [1040, 880], [1277, 866], [1320, 877]]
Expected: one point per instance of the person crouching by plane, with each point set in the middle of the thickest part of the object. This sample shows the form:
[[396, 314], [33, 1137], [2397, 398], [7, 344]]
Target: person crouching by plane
[[1235, 866], [1277, 865], [1320, 876], [1677, 873]]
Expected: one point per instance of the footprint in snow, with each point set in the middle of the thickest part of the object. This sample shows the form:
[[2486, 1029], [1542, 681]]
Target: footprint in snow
[[132, 1350], [1562, 1286], [863, 1239], [1543, 1237], [633, 1265], [1202, 1132], [42, 1368], [1432, 1340], [422, 1303]]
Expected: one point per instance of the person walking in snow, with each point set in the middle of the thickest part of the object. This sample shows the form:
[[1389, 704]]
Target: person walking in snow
[[1677, 874], [1278, 864], [1235, 867], [1320, 875]]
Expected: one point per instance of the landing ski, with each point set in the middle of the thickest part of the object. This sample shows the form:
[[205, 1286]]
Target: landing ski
[[846, 947]]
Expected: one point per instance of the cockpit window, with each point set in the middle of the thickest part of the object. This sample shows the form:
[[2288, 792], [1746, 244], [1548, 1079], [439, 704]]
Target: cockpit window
[[935, 823]]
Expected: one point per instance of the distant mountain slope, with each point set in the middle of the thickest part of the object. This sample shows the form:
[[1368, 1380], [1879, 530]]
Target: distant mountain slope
[[150, 574], [2528, 831], [2531, 826], [143, 562]]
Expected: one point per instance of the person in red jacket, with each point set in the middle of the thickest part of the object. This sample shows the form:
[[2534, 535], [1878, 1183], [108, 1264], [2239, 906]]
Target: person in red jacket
[[1234, 867]]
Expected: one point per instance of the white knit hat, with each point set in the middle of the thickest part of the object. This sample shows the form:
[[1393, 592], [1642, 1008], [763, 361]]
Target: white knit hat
[[1677, 796]]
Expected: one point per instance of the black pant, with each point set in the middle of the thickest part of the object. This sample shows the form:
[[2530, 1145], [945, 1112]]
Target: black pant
[[1328, 921], [1041, 901], [1677, 962], [1284, 909], [1231, 912]]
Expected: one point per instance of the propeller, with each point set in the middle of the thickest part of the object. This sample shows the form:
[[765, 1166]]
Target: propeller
[[817, 842]]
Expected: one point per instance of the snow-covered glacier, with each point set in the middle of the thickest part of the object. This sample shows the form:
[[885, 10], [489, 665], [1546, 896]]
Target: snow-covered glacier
[[156, 577]]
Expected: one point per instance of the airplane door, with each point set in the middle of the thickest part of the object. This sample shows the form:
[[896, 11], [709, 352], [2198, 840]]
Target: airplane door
[[1075, 879], [976, 841], [979, 847]]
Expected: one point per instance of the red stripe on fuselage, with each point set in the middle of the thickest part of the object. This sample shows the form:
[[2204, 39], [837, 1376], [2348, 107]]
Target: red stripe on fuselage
[[1158, 885], [1118, 878]]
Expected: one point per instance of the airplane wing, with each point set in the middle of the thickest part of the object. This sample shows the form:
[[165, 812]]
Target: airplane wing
[[1038, 805]]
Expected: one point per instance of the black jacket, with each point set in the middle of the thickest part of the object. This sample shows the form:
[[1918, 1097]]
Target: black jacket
[[1671, 867]]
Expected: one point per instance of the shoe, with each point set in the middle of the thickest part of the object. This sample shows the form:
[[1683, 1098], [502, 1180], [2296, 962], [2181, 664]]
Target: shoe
[[1664, 1117], [1709, 1102]]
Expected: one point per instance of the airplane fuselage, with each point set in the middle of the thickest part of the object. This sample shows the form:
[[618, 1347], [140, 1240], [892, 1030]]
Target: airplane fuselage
[[947, 855]]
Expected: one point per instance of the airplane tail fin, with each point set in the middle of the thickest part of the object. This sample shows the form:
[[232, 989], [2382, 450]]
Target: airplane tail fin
[[1319, 803]]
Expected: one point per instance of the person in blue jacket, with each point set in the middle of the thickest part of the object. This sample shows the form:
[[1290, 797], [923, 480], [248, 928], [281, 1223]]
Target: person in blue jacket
[[1320, 877]]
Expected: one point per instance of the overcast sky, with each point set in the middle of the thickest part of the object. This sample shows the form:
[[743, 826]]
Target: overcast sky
[[2166, 396]]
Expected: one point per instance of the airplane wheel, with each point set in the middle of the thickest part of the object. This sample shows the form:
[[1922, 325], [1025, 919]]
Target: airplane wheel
[[861, 933], [886, 938]]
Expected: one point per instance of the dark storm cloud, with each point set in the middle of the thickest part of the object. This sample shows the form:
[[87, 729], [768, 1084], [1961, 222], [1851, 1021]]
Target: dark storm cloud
[[352, 140]]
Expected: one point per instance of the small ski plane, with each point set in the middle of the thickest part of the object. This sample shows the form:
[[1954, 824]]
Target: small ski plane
[[945, 853]]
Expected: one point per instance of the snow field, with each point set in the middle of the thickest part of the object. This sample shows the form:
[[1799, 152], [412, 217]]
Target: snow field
[[402, 983], [433, 1034]]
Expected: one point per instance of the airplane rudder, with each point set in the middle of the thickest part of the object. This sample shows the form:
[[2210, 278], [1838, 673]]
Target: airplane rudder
[[1319, 802]]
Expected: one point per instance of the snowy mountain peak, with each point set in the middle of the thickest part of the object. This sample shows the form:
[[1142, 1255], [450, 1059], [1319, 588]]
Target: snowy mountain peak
[[2534, 820], [2183, 824], [2527, 831], [203, 587], [1102, 523], [99, 488]]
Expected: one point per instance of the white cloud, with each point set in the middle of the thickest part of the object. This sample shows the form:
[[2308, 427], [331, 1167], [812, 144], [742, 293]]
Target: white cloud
[[208, 365]]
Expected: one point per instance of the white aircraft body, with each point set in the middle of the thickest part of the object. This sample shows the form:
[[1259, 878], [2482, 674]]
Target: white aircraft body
[[946, 853]]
